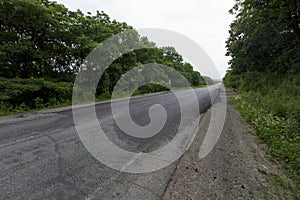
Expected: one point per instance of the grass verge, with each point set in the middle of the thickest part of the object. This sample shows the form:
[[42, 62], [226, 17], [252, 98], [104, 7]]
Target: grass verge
[[281, 132]]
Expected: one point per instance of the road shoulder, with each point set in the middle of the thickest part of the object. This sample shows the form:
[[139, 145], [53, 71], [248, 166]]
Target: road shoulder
[[237, 168]]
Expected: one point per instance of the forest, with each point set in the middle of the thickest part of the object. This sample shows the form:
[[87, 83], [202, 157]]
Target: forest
[[264, 46], [43, 44]]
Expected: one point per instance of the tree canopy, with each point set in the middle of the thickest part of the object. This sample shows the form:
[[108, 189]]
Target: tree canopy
[[264, 38], [41, 38], [43, 42]]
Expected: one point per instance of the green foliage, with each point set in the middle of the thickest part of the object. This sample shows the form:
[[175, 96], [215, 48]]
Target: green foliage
[[167, 56], [150, 88], [208, 80], [43, 44], [103, 97], [279, 130], [24, 94], [265, 37], [264, 46], [45, 39]]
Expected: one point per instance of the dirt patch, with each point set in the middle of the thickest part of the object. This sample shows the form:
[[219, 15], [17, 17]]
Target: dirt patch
[[237, 168]]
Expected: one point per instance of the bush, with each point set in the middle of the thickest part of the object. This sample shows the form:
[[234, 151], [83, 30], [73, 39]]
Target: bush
[[24, 94], [271, 104], [275, 126], [150, 88]]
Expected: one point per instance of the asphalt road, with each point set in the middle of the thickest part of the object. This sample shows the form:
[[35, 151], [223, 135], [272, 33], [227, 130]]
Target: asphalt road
[[42, 156]]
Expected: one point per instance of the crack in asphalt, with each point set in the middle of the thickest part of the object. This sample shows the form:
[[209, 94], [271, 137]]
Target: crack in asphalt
[[146, 188], [55, 171], [60, 178]]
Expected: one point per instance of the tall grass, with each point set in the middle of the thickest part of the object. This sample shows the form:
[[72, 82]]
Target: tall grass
[[275, 115]]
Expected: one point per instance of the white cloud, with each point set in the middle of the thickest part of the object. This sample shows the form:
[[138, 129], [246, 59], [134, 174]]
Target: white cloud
[[206, 22]]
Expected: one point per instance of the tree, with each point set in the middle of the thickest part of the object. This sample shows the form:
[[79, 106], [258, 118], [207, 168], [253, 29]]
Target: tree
[[264, 38], [43, 39], [263, 34]]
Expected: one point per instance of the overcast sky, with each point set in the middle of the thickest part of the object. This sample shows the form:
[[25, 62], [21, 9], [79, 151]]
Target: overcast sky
[[204, 21]]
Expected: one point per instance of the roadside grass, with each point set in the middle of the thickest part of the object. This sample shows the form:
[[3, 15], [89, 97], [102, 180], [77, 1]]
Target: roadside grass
[[277, 124]]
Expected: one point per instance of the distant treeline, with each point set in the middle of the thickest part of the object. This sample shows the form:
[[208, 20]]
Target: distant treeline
[[264, 46], [43, 40]]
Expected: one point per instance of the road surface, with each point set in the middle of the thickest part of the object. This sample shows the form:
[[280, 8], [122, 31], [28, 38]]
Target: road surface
[[42, 157]]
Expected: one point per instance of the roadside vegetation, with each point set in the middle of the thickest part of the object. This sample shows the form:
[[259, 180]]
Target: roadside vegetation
[[43, 45], [264, 44]]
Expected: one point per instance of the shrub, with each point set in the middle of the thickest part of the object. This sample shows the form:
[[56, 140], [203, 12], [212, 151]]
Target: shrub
[[279, 130], [151, 88], [34, 93]]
